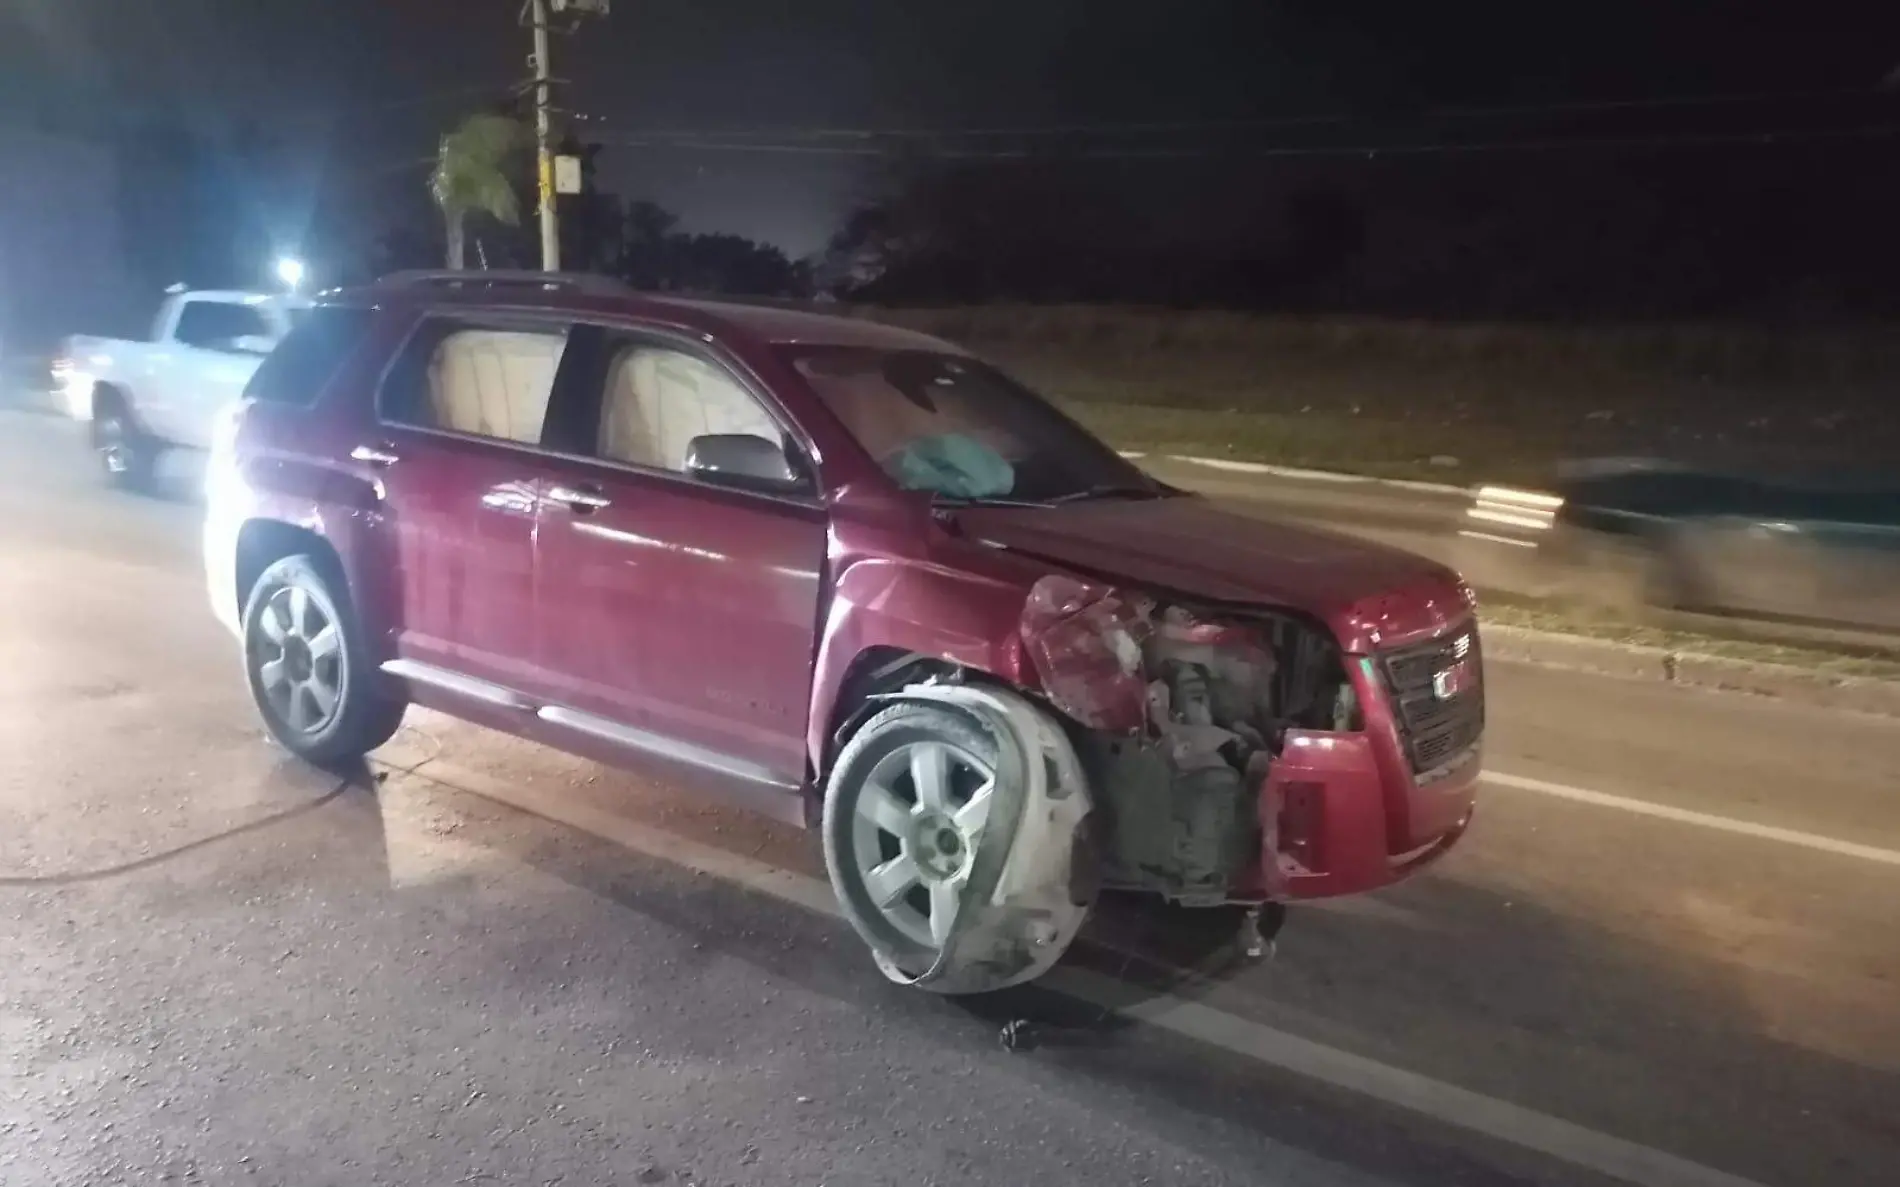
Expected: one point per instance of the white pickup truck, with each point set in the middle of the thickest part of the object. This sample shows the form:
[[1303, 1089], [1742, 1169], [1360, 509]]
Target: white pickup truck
[[145, 397]]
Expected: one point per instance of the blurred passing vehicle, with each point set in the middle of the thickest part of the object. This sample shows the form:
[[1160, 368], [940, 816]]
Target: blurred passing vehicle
[[145, 397], [850, 575], [1822, 549]]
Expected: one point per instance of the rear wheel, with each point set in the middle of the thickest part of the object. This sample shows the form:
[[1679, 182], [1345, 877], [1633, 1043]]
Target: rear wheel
[[127, 456], [308, 668]]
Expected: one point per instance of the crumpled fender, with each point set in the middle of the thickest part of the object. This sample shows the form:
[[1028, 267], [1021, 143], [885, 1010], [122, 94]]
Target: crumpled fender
[[1018, 913]]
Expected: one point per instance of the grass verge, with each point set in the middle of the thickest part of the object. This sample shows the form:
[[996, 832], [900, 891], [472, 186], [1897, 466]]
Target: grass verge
[[1844, 657], [1317, 441]]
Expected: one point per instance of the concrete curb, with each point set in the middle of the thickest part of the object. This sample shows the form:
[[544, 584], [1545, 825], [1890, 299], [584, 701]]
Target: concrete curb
[[1296, 474], [1606, 657]]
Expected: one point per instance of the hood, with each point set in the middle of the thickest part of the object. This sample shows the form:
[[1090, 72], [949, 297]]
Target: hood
[[1197, 547]]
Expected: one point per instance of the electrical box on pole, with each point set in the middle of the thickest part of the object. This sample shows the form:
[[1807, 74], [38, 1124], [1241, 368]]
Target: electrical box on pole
[[552, 176]]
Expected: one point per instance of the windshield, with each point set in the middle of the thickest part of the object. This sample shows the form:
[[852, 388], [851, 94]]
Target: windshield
[[962, 429]]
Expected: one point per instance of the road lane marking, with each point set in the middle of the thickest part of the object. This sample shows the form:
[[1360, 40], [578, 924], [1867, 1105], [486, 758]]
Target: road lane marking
[[1460, 1108], [1236, 467], [1448, 1103], [1744, 828], [1294, 472]]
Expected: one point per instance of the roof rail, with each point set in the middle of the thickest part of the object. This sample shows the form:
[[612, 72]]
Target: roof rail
[[570, 282]]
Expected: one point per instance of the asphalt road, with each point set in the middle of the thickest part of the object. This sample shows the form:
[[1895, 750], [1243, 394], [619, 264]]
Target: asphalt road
[[492, 964]]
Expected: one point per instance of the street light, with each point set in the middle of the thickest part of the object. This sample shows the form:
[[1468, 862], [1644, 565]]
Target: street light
[[290, 270]]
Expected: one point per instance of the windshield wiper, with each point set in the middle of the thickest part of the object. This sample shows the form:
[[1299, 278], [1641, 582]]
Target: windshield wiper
[[1106, 490]]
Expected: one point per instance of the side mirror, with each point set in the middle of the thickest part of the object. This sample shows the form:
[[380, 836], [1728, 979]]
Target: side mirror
[[742, 460], [247, 344]]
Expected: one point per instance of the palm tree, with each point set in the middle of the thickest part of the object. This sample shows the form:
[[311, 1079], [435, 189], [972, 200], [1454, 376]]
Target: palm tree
[[471, 176]]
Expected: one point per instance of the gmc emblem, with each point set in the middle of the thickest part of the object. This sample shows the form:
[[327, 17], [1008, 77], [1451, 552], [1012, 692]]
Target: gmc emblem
[[1452, 681]]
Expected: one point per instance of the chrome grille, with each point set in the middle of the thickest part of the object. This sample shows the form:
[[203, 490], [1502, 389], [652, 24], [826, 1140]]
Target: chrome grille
[[1438, 729]]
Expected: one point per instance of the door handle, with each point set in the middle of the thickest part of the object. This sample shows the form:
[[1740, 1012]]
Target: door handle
[[375, 455], [581, 499]]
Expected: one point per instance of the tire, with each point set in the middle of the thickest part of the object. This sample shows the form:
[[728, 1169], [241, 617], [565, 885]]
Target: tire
[[127, 455], [1674, 579], [308, 667], [887, 746]]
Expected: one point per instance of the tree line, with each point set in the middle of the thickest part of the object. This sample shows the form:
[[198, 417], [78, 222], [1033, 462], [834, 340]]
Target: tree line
[[1802, 231]]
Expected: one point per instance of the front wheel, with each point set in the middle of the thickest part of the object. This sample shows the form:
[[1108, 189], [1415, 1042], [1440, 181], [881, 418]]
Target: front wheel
[[308, 668], [127, 457], [904, 812]]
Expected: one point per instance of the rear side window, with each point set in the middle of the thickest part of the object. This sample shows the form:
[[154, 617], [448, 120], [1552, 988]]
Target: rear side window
[[215, 325], [310, 355], [481, 380]]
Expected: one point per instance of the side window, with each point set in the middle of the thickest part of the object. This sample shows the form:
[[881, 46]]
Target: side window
[[213, 325], [657, 399], [486, 381], [323, 340]]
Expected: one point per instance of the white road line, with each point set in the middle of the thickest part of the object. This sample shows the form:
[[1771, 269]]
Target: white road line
[[1334, 476], [1745, 828], [1470, 1111], [1456, 1106], [1221, 463], [1430, 488]]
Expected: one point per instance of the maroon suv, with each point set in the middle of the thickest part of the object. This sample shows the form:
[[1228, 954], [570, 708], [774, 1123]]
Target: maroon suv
[[851, 574]]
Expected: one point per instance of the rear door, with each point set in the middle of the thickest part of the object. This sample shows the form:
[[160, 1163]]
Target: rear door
[[457, 449], [678, 617]]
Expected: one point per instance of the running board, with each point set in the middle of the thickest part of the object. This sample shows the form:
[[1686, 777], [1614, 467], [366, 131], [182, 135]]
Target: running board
[[662, 747], [456, 682], [490, 693]]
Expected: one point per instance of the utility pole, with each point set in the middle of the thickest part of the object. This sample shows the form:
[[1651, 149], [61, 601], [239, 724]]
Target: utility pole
[[544, 138], [551, 175]]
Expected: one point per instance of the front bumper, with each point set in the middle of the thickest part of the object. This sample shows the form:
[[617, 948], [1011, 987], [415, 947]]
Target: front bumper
[[1335, 834]]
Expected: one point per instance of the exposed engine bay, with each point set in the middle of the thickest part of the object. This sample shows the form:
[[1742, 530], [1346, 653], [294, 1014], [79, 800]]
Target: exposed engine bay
[[1186, 711]]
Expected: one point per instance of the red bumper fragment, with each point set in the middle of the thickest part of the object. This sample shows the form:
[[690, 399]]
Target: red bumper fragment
[[1334, 836]]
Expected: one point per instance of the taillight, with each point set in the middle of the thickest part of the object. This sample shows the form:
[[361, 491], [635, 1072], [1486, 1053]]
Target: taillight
[[223, 482], [225, 428], [1302, 825]]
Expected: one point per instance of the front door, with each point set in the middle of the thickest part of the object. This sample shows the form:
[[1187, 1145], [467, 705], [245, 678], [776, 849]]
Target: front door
[[457, 448], [678, 617]]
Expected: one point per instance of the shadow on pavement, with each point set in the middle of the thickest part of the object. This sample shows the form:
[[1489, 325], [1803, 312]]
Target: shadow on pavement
[[359, 780], [1539, 1008], [1134, 1076]]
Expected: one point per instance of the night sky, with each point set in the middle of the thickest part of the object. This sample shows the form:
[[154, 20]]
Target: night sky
[[361, 82]]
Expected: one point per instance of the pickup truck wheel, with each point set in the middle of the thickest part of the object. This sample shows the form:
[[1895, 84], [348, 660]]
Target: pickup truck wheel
[[128, 457], [904, 810], [309, 673]]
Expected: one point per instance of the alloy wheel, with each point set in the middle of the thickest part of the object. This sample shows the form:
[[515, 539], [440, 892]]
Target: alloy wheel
[[302, 666], [914, 831]]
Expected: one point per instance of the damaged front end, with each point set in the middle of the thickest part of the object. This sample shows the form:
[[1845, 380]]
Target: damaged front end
[[1237, 757], [1240, 757]]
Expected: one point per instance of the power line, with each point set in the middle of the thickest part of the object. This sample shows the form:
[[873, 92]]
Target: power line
[[1250, 124], [1444, 148], [332, 113]]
